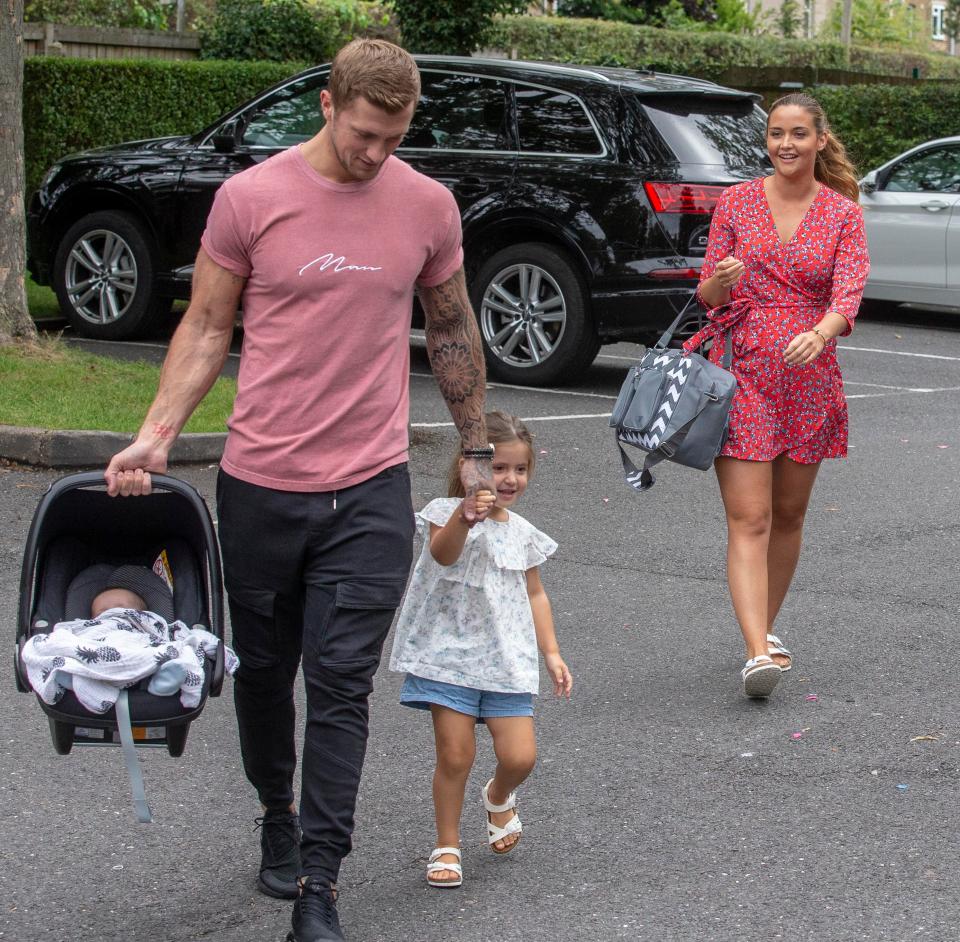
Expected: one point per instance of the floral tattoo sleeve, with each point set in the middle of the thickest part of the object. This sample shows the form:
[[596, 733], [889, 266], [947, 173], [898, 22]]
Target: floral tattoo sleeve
[[456, 355]]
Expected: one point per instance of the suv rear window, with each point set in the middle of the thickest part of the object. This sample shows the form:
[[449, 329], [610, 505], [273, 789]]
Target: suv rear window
[[550, 122], [699, 130]]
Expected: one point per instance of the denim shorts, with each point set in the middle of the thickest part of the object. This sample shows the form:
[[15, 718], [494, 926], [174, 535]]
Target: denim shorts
[[418, 692]]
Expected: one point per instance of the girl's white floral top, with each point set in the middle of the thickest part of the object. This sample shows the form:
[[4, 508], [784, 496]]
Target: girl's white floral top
[[471, 623]]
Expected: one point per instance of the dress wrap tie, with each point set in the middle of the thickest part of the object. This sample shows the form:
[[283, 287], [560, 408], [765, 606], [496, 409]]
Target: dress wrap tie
[[719, 319]]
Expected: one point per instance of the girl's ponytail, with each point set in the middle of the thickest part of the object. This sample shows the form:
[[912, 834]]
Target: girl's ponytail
[[833, 167]]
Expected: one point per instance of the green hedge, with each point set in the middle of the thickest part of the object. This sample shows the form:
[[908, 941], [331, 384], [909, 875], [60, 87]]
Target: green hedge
[[877, 122], [703, 54], [74, 104]]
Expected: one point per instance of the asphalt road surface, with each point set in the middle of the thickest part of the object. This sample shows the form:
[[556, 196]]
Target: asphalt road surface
[[664, 806]]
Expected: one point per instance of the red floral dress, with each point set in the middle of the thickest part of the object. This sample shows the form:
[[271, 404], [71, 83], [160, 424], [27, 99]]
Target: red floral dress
[[784, 290]]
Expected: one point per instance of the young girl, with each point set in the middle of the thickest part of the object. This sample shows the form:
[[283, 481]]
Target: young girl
[[473, 617]]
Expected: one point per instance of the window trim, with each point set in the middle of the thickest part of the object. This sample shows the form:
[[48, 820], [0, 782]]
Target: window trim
[[512, 83], [604, 150], [937, 16]]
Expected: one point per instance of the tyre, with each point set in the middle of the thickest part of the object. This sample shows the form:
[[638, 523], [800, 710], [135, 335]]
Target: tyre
[[534, 314], [62, 736], [103, 274], [177, 739]]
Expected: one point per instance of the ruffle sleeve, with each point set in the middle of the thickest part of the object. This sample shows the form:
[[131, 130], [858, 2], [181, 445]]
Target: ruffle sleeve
[[519, 546], [438, 512], [539, 548]]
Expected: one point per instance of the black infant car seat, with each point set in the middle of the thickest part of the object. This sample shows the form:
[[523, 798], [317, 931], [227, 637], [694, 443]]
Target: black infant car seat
[[78, 525]]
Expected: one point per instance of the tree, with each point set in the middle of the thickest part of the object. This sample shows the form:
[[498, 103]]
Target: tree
[[879, 23], [723, 16], [788, 19], [445, 27], [15, 322]]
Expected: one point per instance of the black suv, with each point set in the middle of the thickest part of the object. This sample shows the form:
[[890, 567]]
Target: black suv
[[585, 194]]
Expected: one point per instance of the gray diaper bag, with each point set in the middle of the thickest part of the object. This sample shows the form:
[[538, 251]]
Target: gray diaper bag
[[674, 406]]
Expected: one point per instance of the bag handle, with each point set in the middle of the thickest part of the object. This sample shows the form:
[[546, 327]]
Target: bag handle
[[726, 360], [667, 335]]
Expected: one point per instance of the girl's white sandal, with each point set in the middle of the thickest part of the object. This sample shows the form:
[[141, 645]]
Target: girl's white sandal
[[435, 865], [760, 675], [513, 826], [775, 646]]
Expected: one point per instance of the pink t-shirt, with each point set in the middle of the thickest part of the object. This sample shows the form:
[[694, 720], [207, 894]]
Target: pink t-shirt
[[323, 391]]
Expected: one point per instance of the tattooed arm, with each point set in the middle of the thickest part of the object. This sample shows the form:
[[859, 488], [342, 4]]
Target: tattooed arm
[[456, 356]]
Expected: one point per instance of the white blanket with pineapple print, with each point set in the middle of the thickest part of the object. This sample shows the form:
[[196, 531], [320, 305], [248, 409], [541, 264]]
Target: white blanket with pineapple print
[[98, 657]]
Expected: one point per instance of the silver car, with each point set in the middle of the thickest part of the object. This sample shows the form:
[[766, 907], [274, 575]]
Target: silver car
[[911, 209]]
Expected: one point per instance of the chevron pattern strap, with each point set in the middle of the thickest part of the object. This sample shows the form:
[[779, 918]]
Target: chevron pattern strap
[[652, 439]]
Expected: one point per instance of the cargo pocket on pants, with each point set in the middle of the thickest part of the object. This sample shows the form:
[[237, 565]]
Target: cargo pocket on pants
[[360, 613], [252, 617]]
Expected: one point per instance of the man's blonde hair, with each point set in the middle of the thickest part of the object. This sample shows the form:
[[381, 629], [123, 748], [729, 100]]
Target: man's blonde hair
[[377, 70]]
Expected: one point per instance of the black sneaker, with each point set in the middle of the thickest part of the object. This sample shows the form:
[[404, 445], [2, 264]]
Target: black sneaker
[[279, 854], [315, 914]]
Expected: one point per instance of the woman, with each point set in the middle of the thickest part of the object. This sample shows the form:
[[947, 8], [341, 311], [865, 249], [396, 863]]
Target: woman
[[785, 268]]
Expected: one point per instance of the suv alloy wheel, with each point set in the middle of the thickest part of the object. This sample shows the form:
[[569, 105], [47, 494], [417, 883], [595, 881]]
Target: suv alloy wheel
[[533, 308], [103, 277]]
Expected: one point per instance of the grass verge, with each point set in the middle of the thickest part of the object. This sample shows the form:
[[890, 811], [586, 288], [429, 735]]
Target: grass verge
[[41, 302], [53, 386]]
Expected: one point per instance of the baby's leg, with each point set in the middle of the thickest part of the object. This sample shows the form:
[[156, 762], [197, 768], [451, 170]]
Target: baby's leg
[[456, 748], [515, 746]]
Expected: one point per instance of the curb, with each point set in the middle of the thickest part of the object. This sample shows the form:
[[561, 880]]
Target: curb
[[61, 448], [65, 448]]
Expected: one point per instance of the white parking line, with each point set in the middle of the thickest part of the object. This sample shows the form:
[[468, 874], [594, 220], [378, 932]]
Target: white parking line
[[901, 353], [528, 418], [904, 392], [536, 389], [847, 382], [613, 356], [843, 346]]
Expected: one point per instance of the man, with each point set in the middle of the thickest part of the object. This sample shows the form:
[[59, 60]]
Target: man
[[324, 245]]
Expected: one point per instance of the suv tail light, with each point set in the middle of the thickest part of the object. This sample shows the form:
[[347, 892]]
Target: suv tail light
[[683, 197]]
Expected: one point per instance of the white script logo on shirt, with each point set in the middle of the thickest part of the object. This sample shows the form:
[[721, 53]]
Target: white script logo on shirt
[[337, 264]]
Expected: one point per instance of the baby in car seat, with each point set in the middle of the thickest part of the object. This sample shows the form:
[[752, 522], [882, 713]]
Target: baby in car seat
[[128, 633], [131, 588]]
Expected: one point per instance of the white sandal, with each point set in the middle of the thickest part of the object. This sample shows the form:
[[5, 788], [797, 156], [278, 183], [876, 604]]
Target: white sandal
[[760, 675], [513, 826], [435, 865], [775, 646]]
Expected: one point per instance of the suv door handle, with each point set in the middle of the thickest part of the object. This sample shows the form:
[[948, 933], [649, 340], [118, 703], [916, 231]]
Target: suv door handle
[[934, 206], [470, 187]]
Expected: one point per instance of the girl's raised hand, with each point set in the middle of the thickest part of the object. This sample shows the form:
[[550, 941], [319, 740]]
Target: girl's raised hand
[[476, 474], [476, 508], [559, 674]]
